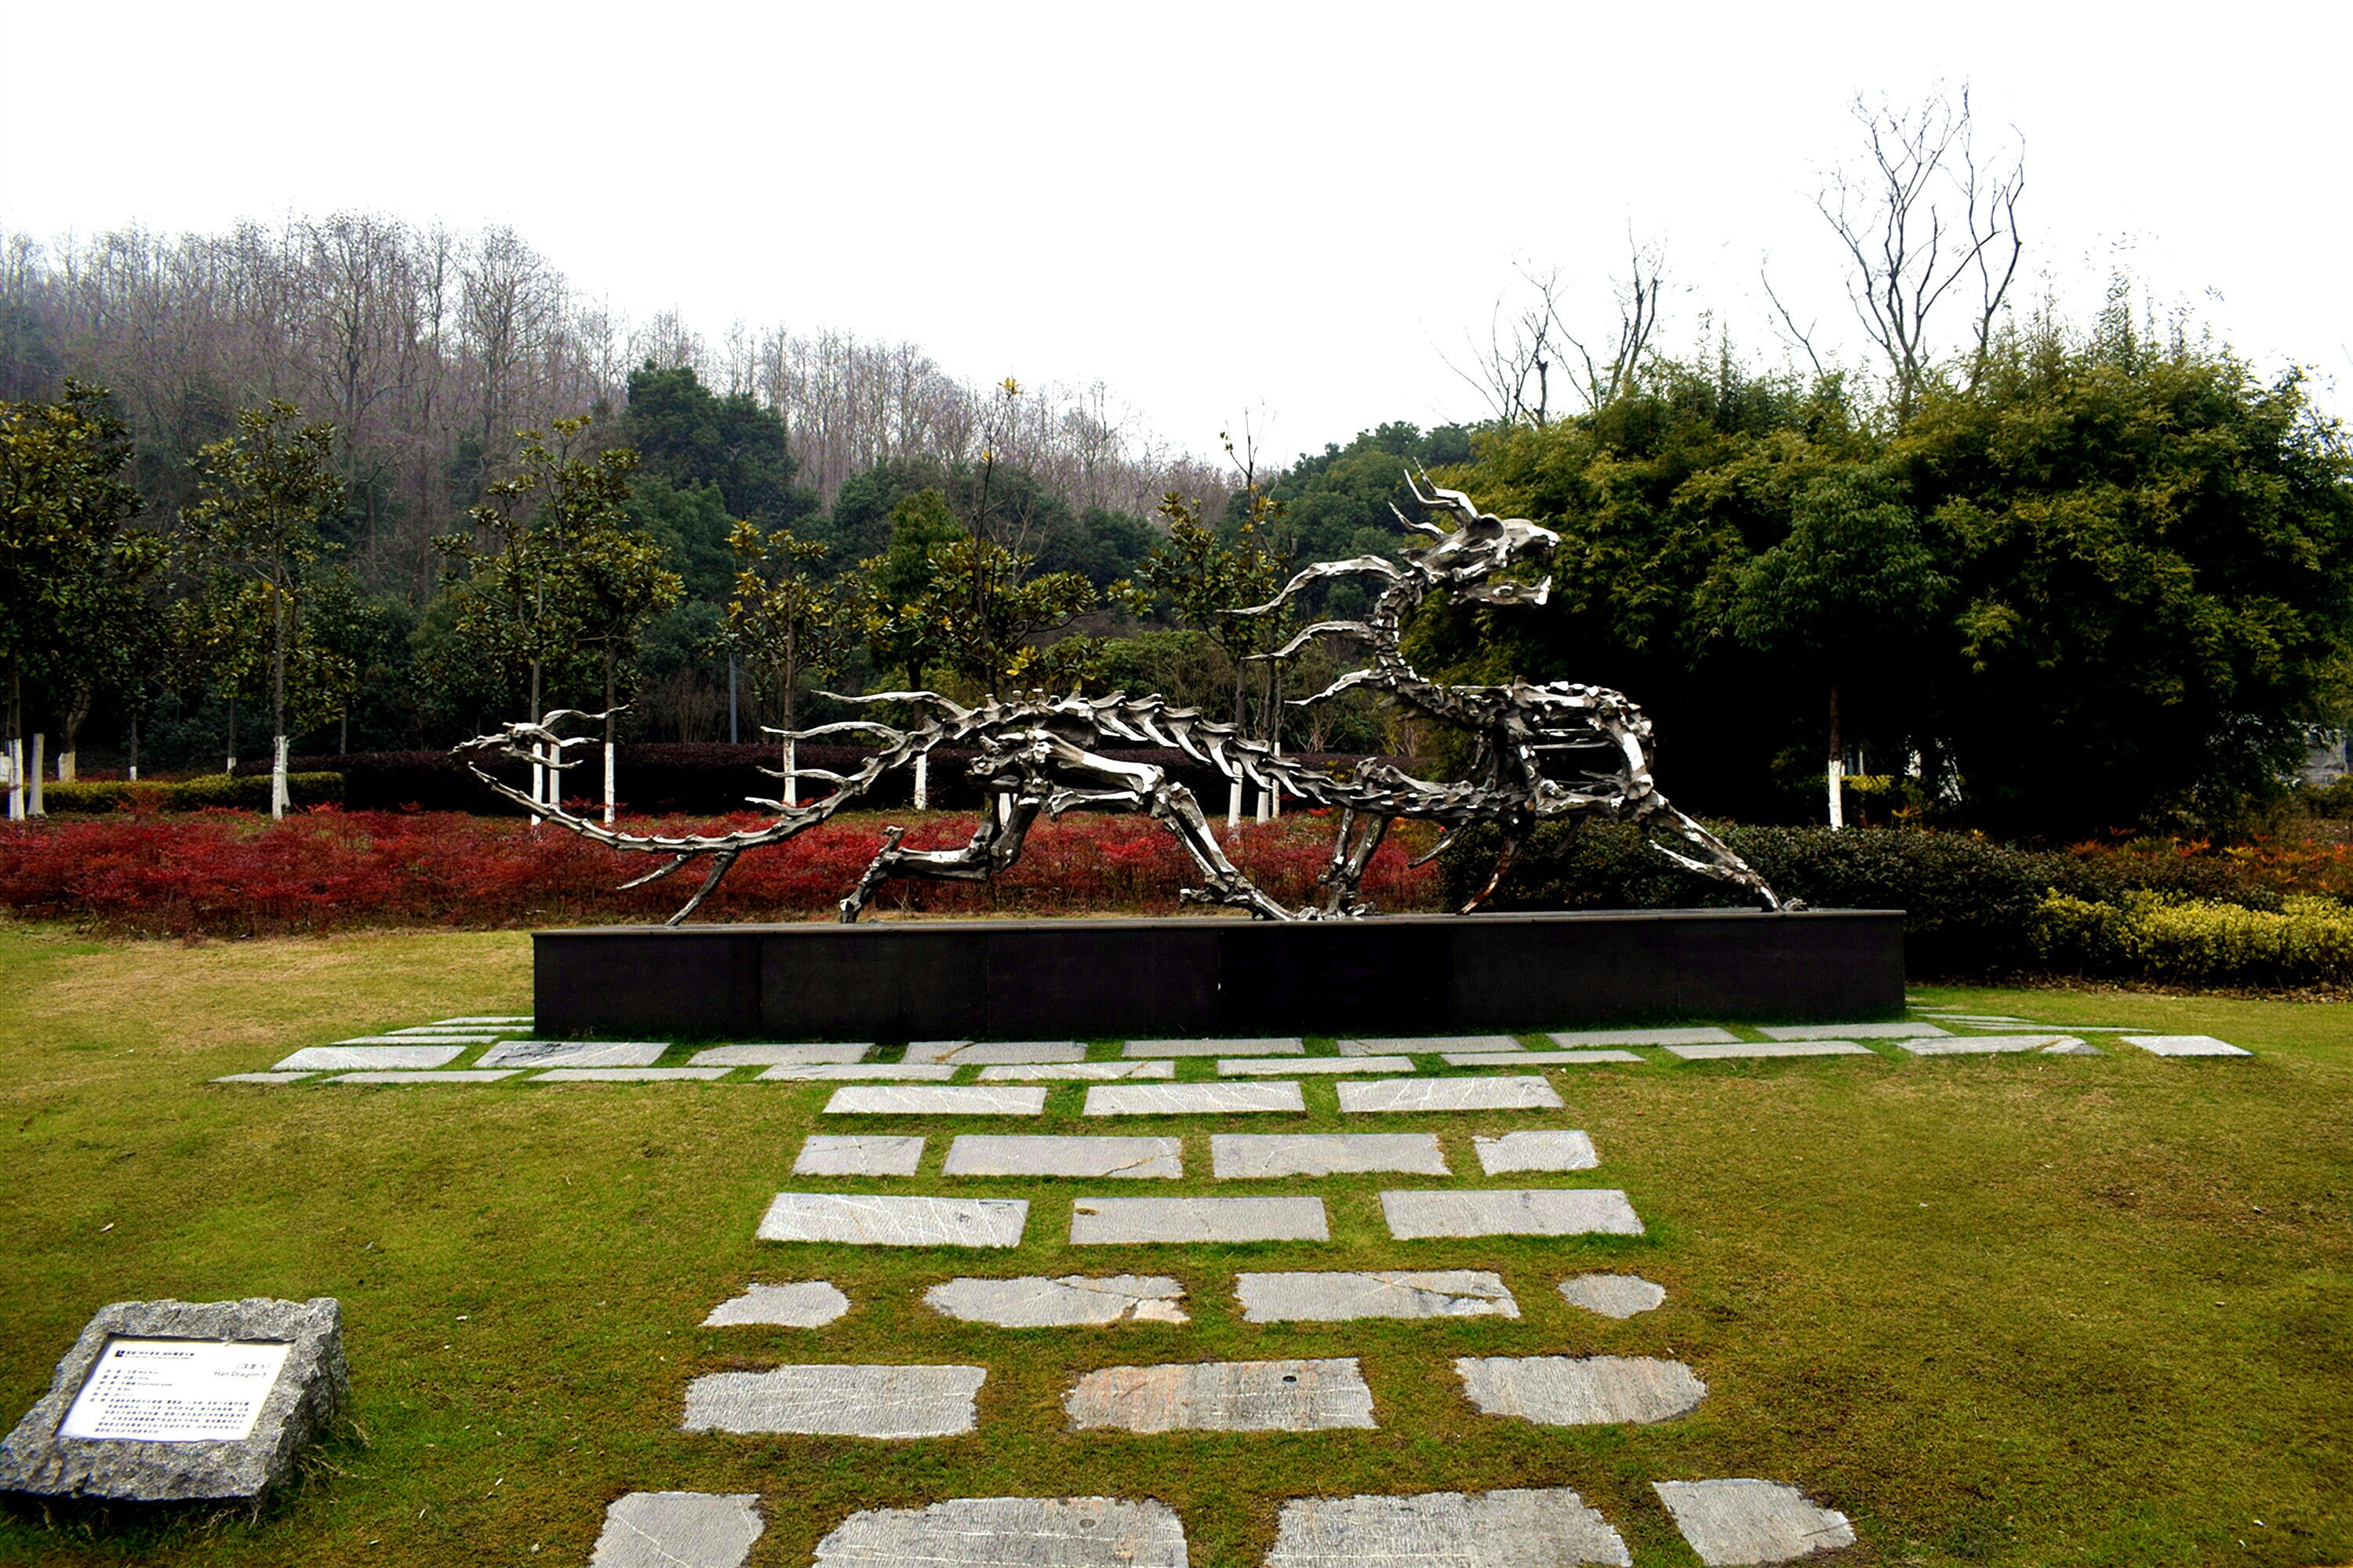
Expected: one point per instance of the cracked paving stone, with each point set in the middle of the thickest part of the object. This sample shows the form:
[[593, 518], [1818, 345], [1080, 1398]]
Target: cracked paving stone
[[1009, 1532], [1986, 1044], [1612, 1295], [1022, 1053], [1193, 1100], [853, 1072], [1243, 1156], [1073, 1300], [1517, 1527], [977, 1154], [1511, 1212], [1560, 1150], [869, 1220], [573, 1054], [460, 1075], [1338, 1298], [1112, 1222], [1223, 1397], [837, 1401], [805, 1304], [1589, 1391], [2162, 1045], [1736, 1522], [1077, 1072], [1425, 1044], [828, 1154], [1541, 1058], [778, 1055], [679, 1529], [1282, 1047], [1747, 1050], [1379, 1095], [1852, 1032], [1581, 1038], [360, 1058], [627, 1074], [1276, 1066], [935, 1099]]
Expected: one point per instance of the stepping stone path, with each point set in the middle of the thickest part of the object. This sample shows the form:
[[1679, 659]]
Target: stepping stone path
[[1575, 1040], [1275, 1066], [1074, 1300], [1114, 1222], [778, 1055], [362, 1058], [1025, 1052], [1009, 1532], [1223, 1397], [1446, 1043], [1285, 1047], [983, 1155], [263, 1079], [462, 1076], [1612, 1295], [1383, 1095], [1539, 1059], [1591, 1391], [1988, 1044], [438, 1037], [826, 1155], [1241, 1156], [628, 1075], [837, 1401], [1748, 1049], [926, 1100], [870, 1219], [1746, 1521], [1562, 1151], [834, 1072], [1337, 1297], [2184, 1046], [1194, 1099], [562, 1053], [1521, 1528], [1852, 1032], [1522, 1211], [1084, 1072], [810, 1304], [679, 1529]]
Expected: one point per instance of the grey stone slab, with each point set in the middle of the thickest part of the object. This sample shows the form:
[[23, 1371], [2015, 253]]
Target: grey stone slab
[[778, 1056], [1517, 1528], [1732, 1523], [2045, 1027], [1073, 1300], [1223, 1397], [523, 1018], [935, 1099], [1943, 1017], [628, 1075], [1991, 1044], [1009, 1532], [1242, 1156], [931, 1050], [804, 1303], [858, 1071], [1750, 1050], [1338, 1297], [1018, 1052], [2184, 1046], [1580, 1391], [1511, 1212], [457, 1076], [1421, 1046], [1612, 1295], [1558, 1150], [263, 1079], [828, 1154], [459, 1039], [1539, 1058], [997, 1155], [1079, 1072], [1274, 1047], [837, 1400], [865, 1219], [183, 1401], [1578, 1039], [1110, 1222], [360, 1058], [1192, 1099], [573, 1054], [679, 1529], [1852, 1032], [1380, 1095], [451, 1032], [1278, 1066]]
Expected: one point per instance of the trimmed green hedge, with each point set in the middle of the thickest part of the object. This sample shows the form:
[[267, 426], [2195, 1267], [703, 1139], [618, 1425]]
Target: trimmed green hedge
[[242, 793]]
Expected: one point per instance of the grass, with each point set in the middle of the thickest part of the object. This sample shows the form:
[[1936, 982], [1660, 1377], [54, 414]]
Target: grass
[[2011, 1309]]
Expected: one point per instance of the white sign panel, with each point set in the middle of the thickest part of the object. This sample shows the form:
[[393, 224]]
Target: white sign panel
[[174, 1391]]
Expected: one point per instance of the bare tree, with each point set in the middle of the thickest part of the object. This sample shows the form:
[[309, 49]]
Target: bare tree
[[1514, 372]]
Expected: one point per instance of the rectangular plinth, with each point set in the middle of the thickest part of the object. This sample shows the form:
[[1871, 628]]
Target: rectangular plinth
[[1201, 979]]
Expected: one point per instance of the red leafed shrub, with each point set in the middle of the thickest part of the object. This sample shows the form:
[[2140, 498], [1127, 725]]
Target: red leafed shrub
[[232, 873]]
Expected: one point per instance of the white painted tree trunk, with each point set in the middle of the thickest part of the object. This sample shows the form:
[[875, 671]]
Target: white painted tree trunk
[[68, 770], [33, 806], [923, 781], [538, 783], [281, 796], [792, 785], [15, 779], [1837, 769], [1234, 807], [608, 784]]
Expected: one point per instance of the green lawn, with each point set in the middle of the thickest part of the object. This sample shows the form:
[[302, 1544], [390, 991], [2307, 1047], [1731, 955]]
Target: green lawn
[[1999, 1309]]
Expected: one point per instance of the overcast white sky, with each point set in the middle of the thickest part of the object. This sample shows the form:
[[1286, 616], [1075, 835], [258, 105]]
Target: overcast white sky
[[1287, 208]]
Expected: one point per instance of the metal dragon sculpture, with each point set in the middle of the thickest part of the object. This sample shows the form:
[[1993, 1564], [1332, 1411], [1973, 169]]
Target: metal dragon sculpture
[[1040, 753]]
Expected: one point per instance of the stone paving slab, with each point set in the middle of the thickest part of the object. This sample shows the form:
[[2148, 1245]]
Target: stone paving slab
[[1224, 1396], [837, 1400], [1279, 1047], [1080, 1072], [1277, 1066], [1581, 1038], [1744, 1522], [1991, 1044], [573, 1054], [1560, 1149], [460, 1039], [2044, 1028], [1243, 1156], [460, 1075], [1589, 1391], [805, 1304], [628, 1075], [1026, 1053], [1612, 1295], [865, 1219], [488, 1018], [935, 1099], [679, 1529], [1009, 1532], [857, 1072], [2184, 1046], [1379, 1095], [1423, 1044], [1112, 1222], [263, 1079], [778, 1055], [828, 1154], [1511, 1212], [1193, 1100], [1750, 1050], [1942, 1016], [1539, 1058], [1073, 1300], [1517, 1528], [1851, 1031], [1339, 1296], [977, 1154], [359, 1058], [450, 1031]]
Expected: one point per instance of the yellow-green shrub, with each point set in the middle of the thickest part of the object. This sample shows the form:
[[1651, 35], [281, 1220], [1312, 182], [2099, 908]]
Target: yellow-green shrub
[[2308, 941]]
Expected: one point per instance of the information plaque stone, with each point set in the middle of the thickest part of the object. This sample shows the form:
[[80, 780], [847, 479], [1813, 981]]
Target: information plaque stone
[[181, 1401]]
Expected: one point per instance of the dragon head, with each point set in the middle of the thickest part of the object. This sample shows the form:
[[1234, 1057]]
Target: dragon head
[[1478, 546]]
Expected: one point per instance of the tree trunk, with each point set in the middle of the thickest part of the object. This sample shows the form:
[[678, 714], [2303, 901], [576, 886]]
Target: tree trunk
[[134, 745], [231, 765], [33, 806], [16, 742], [1837, 770], [77, 714], [792, 674], [538, 772], [608, 739], [279, 799]]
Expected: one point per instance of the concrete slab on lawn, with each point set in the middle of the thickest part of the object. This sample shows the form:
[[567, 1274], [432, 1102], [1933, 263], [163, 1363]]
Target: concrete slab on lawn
[[993, 1155], [1539, 1058], [1224, 1396], [837, 1400], [1193, 1100], [460, 1075], [1743, 1520], [1073, 1300], [935, 1099], [1079, 1072], [1277, 1066], [863, 1219], [628, 1075], [679, 1529], [1242, 1156], [1515, 1528], [825, 1154], [1425, 1044], [363, 1058], [778, 1055], [573, 1054], [1750, 1050], [1009, 1532], [1581, 1038], [1580, 1391], [857, 1072], [1995, 1044], [2184, 1046], [1511, 1212], [1852, 1032], [1559, 1149], [804, 1303], [263, 1079], [1612, 1295], [1409, 1095], [1029, 1053], [1277, 1047], [1116, 1222], [1340, 1297]]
